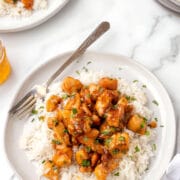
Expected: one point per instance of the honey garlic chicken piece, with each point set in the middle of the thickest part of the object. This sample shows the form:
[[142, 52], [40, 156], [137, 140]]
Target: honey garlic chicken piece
[[137, 124], [73, 103], [70, 85], [118, 144], [106, 166], [103, 102], [95, 90], [51, 171], [28, 4], [108, 83], [81, 155], [101, 172], [114, 116], [10, 1], [63, 159], [52, 103], [152, 124]]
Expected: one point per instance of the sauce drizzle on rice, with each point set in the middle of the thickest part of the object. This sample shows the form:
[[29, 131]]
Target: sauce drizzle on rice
[[99, 122]]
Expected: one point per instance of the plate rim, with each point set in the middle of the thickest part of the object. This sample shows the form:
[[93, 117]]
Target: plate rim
[[35, 23], [68, 53]]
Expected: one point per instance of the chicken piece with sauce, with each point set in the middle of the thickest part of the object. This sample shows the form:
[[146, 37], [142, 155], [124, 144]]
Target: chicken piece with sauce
[[28, 4]]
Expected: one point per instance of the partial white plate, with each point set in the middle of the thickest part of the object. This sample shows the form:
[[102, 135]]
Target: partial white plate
[[13, 24], [119, 66], [177, 2], [170, 5]]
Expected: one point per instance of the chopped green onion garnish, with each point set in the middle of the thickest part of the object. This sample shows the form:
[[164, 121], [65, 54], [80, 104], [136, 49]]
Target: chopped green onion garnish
[[121, 138], [154, 147], [54, 141], [137, 149], [34, 111], [89, 62], [144, 86], [155, 102], [115, 151], [147, 133], [88, 149], [116, 174], [135, 81], [43, 161], [74, 111], [66, 131], [85, 163], [106, 132], [33, 120], [107, 141], [77, 72]]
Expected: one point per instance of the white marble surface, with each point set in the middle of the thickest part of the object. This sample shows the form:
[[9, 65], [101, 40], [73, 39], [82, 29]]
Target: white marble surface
[[140, 29]]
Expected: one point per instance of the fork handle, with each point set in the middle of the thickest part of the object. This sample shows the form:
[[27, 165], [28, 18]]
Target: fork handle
[[100, 30]]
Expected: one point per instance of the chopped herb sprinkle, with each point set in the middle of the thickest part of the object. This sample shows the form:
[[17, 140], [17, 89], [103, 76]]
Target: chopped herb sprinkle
[[130, 99], [66, 131], [115, 106], [108, 141], [33, 120], [54, 141], [147, 133], [156, 119], [96, 141], [116, 174], [43, 161], [115, 151], [155, 102], [34, 111], [74, 111], [154, 147], [161, 125], [56, 122], [85, 138], [65, 96], [142, 125], [41, 107], [85, 163], [137, 149], [145, 119], [106, 132], [135, 81], [85, 69], [89, 62], [88, 149], [77, 72], [144, 86], [121, 138]]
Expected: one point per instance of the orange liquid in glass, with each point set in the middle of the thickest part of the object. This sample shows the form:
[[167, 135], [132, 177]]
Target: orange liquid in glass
[[5, 68]]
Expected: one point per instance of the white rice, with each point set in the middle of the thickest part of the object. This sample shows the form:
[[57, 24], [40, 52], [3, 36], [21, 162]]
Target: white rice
[[18, 9], [36, 137]]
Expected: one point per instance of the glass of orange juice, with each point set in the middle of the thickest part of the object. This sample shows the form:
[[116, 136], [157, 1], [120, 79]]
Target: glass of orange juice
[[5, 68]]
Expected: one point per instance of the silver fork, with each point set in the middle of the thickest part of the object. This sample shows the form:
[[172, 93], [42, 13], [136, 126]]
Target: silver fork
[[27, 103]]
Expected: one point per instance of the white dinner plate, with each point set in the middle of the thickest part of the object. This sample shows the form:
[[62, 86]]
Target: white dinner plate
[[119, 66], [12, 24]]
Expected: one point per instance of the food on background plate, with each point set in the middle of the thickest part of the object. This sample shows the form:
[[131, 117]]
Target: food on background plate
[[91, 127], [5, 68], [21, 7]]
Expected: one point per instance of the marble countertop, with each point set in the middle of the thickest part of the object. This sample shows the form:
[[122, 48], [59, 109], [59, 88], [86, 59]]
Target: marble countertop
[[142, 30]]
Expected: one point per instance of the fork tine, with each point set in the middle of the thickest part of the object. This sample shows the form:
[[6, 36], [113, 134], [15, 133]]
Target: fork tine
[[25, 109], [27, 98]]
